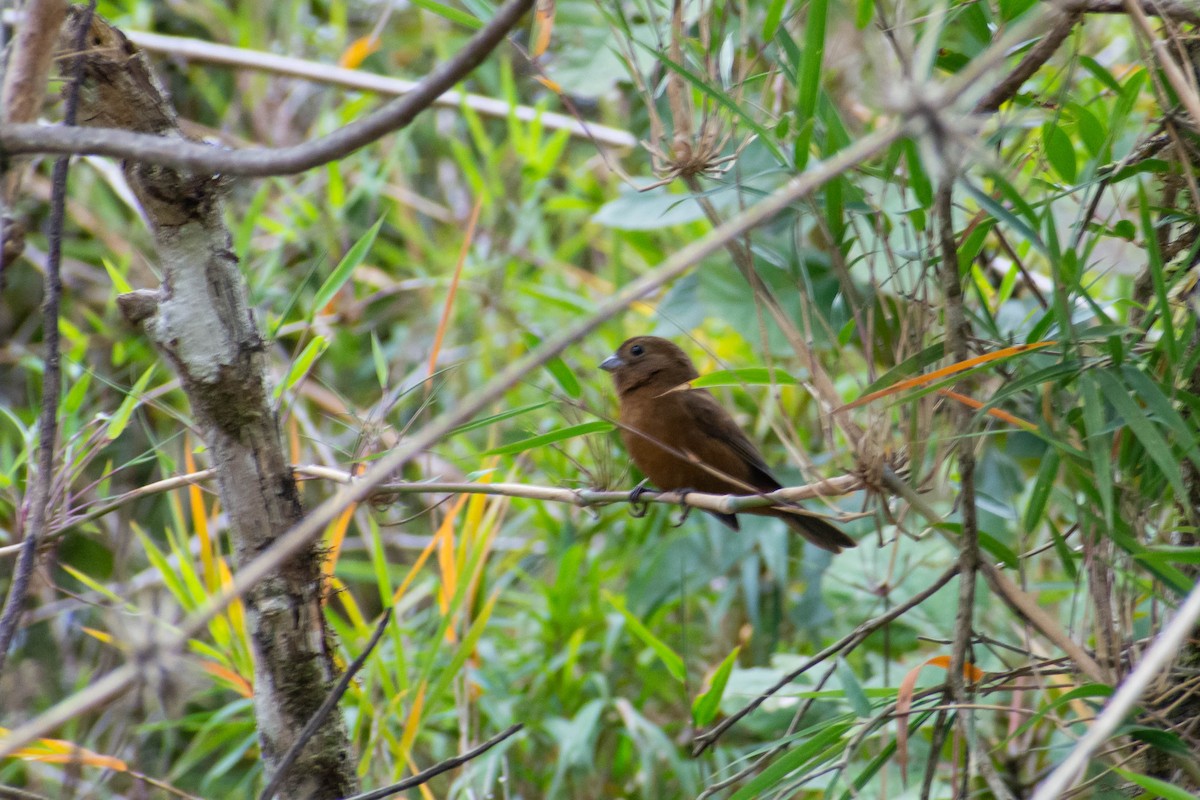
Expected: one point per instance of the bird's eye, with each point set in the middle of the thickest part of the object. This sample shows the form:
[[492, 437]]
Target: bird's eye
[[637, 350]]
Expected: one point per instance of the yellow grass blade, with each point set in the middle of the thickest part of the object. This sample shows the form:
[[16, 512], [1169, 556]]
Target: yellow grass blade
[[199, 519], [357, 52]]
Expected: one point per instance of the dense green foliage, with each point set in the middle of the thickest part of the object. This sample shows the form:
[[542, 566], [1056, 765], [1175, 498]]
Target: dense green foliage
[[602, 632]]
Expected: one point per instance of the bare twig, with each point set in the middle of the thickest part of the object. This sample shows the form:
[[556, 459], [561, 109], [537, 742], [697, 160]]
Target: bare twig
[[201, 158], [1184, 90], [213, 53], [39, 498], [28, 65], [331, 701], [1071, 12], [958, 333], [1038, 55], [583, 498], [437, 769], [25, 76], [10, 793], [1178, 10]]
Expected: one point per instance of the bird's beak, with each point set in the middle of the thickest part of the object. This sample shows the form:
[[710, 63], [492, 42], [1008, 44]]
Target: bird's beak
[[612, 363]]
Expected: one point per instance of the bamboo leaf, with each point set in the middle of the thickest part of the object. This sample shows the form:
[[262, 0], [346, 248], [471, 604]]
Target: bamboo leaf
[[345, 268], [544, 439]]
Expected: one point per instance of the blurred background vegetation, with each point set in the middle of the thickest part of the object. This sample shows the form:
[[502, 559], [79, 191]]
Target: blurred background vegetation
[[613, 638]]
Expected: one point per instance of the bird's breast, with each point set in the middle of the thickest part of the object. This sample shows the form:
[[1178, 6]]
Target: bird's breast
[[673, 449]]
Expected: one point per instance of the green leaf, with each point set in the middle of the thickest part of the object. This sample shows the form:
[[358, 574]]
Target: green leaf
[[749, 376], [772, 19], [913, 365], [117, 277], [1060, 152], [1100, 73], [1154, 267], [1156, 787], [1170, 554], [853, 689], [95, 586], [790, 761], [76, 394], [1043, 485], [1006, 217], [465, 650], [1151, 394], [670, 659], [1098, 442], [1152, 441], [1166, 741], [1091, 130], [809, 77], [918, 178], [551, 437], [1011, 9], [704, 707], [450, 12], [301, 365], [341, 273], [380, 360], [133, 399], [558, 369], [503, 415], [999, 549], [864, 14]]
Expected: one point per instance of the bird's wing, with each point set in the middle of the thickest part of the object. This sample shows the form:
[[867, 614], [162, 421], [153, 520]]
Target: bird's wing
[[716, 423]]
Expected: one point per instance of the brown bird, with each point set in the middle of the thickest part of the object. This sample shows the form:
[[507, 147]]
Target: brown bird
[[682, 439]]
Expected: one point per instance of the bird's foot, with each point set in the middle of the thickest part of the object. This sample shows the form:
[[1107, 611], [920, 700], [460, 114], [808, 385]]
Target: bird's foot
[[685, 509], [637, 506]]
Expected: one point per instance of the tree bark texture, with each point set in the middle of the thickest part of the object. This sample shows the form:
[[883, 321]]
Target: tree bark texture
[[200, 321]]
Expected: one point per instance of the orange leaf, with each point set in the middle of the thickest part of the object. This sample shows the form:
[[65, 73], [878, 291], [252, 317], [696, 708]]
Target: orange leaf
[[543, 26], [357, 52], [944, 372], [449, 305], [235, 681], [334, 537], [59, 751], [1003, 416], [904, 700]]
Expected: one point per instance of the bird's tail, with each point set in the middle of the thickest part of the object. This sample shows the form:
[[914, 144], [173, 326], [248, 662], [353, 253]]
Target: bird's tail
[[815, 529]]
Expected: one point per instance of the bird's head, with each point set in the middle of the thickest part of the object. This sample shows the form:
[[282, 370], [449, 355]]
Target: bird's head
[[649, 362]]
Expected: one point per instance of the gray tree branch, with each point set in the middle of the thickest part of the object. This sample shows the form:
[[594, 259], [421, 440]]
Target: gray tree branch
[[200, 158]]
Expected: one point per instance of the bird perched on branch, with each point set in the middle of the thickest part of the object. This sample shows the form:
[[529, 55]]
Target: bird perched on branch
[[683, 440]]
